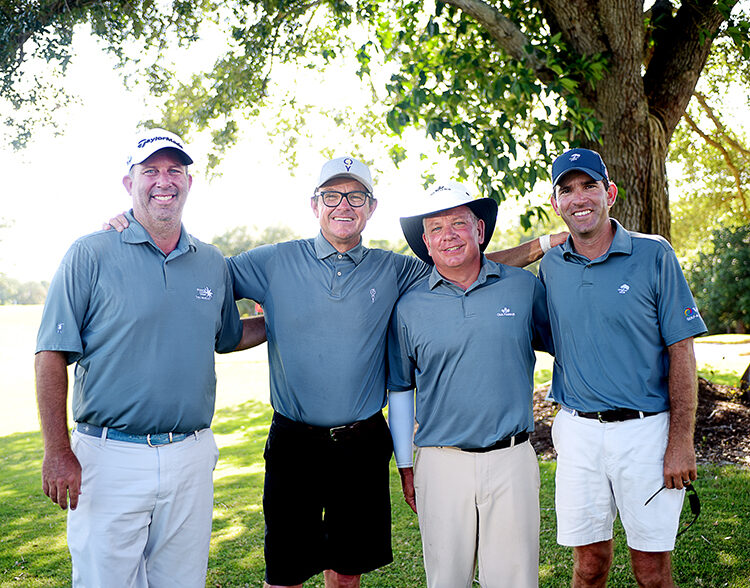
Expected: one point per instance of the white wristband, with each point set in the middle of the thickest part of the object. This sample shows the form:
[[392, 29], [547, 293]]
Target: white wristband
[[544, 243]]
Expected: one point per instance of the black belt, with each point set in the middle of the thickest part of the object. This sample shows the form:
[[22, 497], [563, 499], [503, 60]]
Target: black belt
[[511, 441], [341, 433], [615, 415]]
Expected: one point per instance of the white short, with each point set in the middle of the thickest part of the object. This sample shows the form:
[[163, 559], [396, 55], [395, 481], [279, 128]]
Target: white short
[[479, 507], [606, 467], [144, 514]]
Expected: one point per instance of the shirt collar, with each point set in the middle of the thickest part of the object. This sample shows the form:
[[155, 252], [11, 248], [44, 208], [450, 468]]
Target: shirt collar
[[621, 243], [488, 268], [324, 249], [136, 233]]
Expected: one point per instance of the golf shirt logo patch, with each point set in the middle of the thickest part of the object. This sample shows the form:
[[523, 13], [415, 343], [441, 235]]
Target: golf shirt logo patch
[[204, 293], [623, 289], [691, 313], [60, 328], [373, 292], [505, 311]]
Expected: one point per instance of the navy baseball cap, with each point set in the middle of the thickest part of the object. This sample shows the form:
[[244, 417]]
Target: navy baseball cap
[[585, 160]]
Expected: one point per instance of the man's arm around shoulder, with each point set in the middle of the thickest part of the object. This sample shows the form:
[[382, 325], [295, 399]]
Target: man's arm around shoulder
[[679, 458], [526, 253], [61, 471]]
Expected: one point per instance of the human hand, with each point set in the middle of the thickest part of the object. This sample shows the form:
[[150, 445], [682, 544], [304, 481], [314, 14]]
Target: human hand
[[61, 478], [407, 485], [119, 223], [679, 465]]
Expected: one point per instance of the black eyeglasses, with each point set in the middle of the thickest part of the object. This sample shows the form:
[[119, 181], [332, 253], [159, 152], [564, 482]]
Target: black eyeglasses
[[695, 504], [332, 198]]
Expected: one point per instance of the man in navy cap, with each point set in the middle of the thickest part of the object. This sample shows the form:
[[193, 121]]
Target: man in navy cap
[[623, 321], [464, 338], [138, 469]]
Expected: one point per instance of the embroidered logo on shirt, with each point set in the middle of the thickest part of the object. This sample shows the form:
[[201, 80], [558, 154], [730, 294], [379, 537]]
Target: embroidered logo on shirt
[[372, 294], [505, 311], [204, 293], [623, 289], [691, 313], [60, 328]]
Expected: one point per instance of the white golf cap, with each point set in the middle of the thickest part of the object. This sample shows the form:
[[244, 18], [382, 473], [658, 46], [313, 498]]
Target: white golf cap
[[346, 167], [150, 141]]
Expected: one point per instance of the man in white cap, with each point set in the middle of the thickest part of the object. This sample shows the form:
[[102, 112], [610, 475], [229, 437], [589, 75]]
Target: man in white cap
[[327, 302], [137, 471], [464, 337]]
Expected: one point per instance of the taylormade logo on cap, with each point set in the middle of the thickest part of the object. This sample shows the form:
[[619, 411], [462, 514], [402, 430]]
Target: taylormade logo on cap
[[152, 140]]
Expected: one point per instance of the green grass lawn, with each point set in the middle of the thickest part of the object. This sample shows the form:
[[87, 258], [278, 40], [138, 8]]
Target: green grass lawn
[[33, 552]]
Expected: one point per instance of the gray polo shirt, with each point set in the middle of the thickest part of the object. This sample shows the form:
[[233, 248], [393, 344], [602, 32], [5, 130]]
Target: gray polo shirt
[[142, 328], [612, 320], [470, 355], [326, 320]]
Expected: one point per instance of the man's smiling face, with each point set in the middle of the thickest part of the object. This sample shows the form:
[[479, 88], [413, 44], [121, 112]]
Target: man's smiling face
[[342, 226]]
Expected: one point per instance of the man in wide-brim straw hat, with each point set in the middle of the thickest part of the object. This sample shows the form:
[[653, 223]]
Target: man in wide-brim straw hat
[[464, 338]]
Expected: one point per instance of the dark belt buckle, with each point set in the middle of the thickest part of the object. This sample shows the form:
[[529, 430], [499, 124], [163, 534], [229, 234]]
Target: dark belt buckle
[[334, 431], [148, 440]]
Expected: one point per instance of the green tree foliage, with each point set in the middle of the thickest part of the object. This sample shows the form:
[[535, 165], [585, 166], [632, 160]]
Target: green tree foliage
[[501, 86], [720, 280], [241, 239]]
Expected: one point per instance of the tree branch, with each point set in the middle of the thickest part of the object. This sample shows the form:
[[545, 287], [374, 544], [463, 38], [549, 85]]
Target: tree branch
[[506, 34], [681, 46]]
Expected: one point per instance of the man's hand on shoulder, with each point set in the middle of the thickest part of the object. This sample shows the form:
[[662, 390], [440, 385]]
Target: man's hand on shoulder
[[119, 223], [407, 485]]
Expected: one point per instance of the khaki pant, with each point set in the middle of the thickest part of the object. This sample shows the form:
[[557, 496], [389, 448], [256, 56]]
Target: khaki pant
[[479, 508]]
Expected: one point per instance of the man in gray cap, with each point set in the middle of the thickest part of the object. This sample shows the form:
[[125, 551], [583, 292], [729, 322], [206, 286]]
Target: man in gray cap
[[623, 321], [327, 302], [138, 469], [464, 337]]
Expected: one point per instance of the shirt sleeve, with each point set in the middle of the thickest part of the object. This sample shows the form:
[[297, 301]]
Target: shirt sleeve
[[249, 272], [400, 364], [66, 303], [678, 314], [230, 333], [409, 270], [401, 422], [542, 340]]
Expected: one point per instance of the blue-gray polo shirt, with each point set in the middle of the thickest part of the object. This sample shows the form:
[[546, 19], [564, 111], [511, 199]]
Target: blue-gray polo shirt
[[612, 320], [470, 355], [326, 320], [142, 328]]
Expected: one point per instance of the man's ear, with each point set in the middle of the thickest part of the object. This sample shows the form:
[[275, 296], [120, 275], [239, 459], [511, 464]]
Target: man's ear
[[553, 202], [611, 194]]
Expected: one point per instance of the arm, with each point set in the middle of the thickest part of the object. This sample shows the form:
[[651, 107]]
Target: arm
[[401, 422], [61, 471], [525, 253], [253, 332], [679, 457]]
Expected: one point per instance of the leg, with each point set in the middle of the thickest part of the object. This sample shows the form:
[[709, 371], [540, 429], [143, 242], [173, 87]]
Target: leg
[[591, 564], [336, 580], [508, 507], [180, 530], [652, 569], [444, 481], [108, 531]]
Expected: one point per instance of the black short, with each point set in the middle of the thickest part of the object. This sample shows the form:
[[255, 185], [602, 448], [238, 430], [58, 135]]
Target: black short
[[326, 501]]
